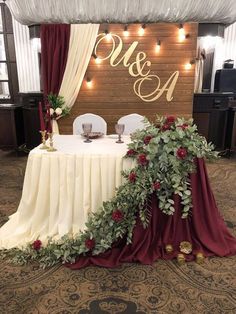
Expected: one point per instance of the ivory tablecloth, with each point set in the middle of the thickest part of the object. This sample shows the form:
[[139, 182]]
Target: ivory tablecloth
[[62, 187]]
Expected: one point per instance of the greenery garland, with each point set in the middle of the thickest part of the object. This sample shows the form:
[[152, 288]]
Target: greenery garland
[[164, 152]]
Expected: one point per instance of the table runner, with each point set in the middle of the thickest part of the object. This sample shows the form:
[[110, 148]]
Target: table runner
[[205, 229]]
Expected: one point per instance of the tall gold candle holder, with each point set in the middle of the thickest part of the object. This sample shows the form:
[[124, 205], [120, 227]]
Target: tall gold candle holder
[[51, 148], [43, 135]]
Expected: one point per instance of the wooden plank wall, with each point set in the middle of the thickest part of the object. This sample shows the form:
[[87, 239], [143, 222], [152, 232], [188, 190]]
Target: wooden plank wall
[[112, 94]]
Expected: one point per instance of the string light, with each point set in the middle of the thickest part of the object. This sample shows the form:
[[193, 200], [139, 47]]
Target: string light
[[182, 35], [188, 65], [97, 59], [89, 82], [108, 35], [126, 32], [142, 30], [158, 46]]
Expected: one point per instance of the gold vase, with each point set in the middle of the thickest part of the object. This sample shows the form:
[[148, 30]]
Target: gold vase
[[169, 248], [200, 258], [181, 259]]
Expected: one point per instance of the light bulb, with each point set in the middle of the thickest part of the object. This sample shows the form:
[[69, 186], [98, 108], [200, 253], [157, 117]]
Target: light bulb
[[188, 66], [89, 83], [108, 36], [126, 32], [141, 30], [158, 46], [97, 60]]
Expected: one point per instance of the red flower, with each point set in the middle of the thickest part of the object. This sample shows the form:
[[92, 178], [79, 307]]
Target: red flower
[[132, 177], [183, 126], [90, 244], [181, 153], [170, 119], [165, 127], [131, 152], [156, 186], [142, 159], [117, 215], [37, 244], [147, 139]]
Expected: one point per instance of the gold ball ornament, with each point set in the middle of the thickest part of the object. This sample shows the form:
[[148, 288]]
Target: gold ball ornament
[[185, 247], [169, 248], [181, 259], [200, 258]]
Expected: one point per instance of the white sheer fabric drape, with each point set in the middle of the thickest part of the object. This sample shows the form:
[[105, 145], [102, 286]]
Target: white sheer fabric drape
[[27, 59], [82, 41], [122, 11]]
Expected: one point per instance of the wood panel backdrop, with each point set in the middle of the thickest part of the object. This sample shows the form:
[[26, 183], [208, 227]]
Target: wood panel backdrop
[[111, 94]]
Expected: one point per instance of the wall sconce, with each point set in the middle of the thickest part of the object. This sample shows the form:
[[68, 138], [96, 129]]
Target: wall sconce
[[158, 46], [108, 35], [188, 65], [96, 59], [126, 32], [89, 82], [142, 30]]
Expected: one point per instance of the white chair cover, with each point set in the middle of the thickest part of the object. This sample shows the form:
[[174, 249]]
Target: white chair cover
[[99, 124], [132, 122]]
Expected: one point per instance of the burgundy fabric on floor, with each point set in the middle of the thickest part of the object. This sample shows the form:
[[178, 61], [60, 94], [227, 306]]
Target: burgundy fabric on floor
[[205, 229], [55, 40]]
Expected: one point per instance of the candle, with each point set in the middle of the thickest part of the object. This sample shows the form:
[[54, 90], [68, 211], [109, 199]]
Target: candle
[[49, 125], [42, 123]]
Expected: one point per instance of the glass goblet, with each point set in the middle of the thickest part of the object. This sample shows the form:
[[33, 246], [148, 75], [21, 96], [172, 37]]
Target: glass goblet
[[87, 128], [119, 130]]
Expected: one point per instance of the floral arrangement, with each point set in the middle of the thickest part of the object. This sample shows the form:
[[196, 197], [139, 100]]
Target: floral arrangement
[[164, 152], [57, 106]]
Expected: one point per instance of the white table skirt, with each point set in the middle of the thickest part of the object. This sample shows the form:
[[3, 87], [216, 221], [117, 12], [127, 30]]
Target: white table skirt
[[62, 187]]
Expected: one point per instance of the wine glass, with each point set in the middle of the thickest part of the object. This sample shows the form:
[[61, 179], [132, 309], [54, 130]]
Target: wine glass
[[87, 128], [119, 130]]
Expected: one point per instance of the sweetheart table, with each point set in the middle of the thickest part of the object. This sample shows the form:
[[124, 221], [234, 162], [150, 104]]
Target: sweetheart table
[[62, 187]]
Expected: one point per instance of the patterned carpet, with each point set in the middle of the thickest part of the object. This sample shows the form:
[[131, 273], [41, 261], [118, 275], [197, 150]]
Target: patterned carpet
[[162, 288]]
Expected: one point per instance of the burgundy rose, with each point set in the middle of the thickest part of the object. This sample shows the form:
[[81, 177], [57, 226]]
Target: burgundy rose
[[142, 159], [147, 139], [90, 243], [170, 119], [165, 127], [132, 177], [156, 186], [181, 153], [184, 126], [117, 215], [37, 244], [131, 152]]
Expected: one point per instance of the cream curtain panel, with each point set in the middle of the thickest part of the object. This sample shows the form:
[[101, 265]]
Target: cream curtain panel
[[122, 11], [82, 41]]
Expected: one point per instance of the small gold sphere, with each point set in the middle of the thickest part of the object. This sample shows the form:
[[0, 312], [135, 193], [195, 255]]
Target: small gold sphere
[[169, 248], [181, 259], [200, 258]]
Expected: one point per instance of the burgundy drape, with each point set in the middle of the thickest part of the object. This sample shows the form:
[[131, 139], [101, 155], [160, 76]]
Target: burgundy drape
[[205, 229], [54, 51]]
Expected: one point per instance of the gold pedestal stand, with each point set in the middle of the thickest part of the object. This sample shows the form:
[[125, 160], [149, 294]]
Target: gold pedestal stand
[[43, 135], [51, 148]]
